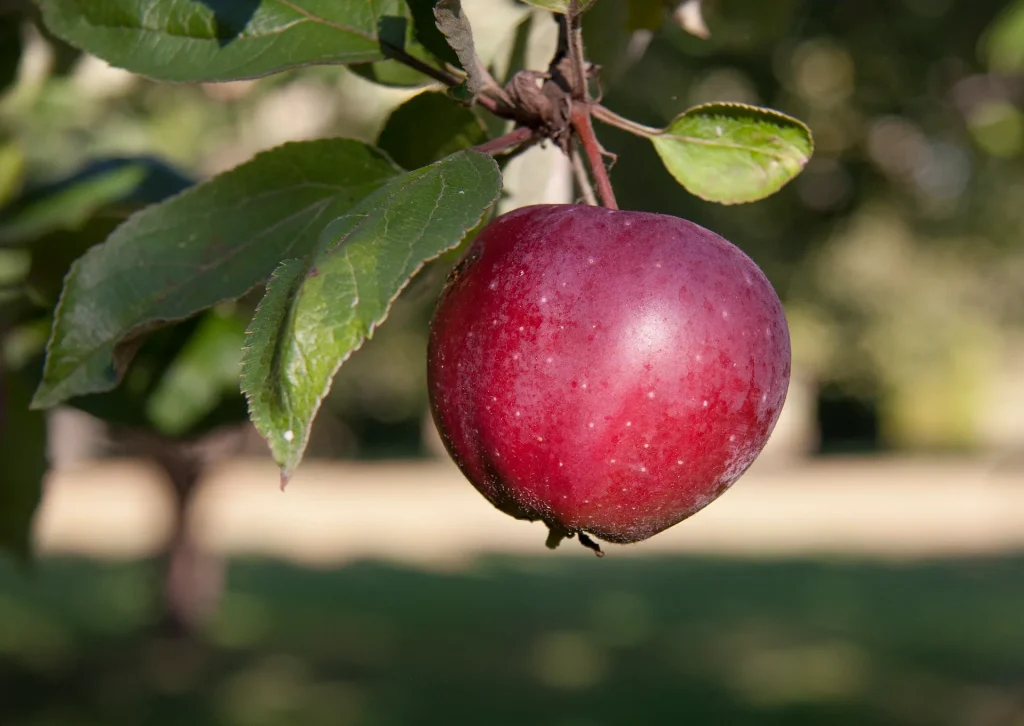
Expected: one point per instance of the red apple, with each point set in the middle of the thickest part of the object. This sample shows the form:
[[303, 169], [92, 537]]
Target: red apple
[[607, 372]]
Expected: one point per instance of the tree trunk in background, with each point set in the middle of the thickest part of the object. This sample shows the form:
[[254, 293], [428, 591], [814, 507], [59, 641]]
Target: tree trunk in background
[[192, 579]]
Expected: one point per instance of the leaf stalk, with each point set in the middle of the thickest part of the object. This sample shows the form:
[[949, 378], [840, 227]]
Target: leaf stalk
[[621, 122]]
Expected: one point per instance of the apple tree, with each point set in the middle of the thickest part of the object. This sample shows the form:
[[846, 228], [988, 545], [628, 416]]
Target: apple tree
[[131, 264]]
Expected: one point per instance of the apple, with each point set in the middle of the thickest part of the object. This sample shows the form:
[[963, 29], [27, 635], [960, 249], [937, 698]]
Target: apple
[[607, 372]]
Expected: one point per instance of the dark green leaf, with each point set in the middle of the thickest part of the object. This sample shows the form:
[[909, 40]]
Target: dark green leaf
[[220, 40], [428, 127], [399, 35], [127, 405], [428, 34], [315, 314], [212, 243], [54, 253], [183, 382], [23, 453], [731, 153], [391, 73]]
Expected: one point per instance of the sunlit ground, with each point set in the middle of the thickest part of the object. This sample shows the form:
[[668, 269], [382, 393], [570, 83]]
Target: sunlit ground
[[843, 593]]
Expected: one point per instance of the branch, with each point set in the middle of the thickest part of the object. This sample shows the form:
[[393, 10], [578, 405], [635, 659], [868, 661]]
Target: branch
[[416, 64], [585, 131], [577, 61], [493, 105], [518, 137]]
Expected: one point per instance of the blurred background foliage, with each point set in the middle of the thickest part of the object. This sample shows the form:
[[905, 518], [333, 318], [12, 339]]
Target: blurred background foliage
[[520, 641], [898, 252]]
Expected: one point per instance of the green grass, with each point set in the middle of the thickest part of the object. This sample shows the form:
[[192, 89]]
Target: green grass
[[541, 640]]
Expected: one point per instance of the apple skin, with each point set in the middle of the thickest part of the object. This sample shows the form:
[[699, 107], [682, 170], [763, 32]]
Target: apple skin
[[606, 372]]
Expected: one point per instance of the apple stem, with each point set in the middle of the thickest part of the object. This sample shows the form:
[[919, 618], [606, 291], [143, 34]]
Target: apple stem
[[580, 172], [573, 83], [580, 117], [556, 534], [587, 542], [516, 137]]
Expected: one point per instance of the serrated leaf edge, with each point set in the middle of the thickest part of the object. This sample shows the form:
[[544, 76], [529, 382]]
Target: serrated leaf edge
[[288, 469], [46, 11], [708, 108], [47, 397]]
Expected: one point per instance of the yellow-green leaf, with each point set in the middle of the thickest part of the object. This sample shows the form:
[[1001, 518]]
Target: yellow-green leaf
[[733, 153]]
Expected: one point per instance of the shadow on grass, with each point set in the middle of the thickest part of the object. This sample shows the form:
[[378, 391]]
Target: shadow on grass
[[526, 641]]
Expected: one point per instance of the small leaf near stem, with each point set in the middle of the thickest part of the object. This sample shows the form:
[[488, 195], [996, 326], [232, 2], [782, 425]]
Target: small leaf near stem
[[547, 105], [454, 25], [731, 153]]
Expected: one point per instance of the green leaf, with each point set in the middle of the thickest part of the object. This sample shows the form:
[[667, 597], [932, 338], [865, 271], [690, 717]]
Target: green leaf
[[62, 220], [559, 6], [127, 405], [428, 34], [54, 253], [428, 127], [316, 313], [391, 73], [183, 382], [732, 153], [210, 244], [220, 40], [23, 453], [421, 39]]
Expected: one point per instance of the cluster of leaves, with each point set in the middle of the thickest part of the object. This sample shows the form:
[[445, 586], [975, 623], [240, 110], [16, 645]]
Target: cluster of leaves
[[329, 231]]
